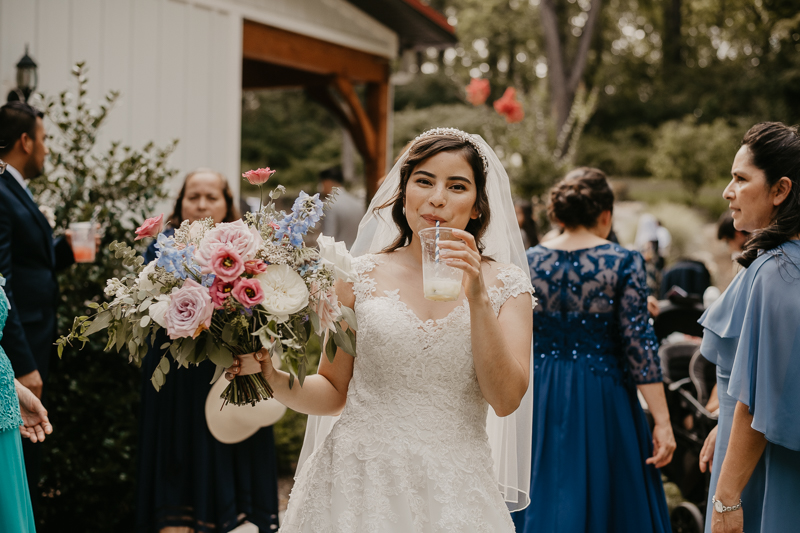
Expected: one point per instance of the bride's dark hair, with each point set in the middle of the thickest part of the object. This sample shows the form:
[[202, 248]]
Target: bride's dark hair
[[775, 149], [421, 150]]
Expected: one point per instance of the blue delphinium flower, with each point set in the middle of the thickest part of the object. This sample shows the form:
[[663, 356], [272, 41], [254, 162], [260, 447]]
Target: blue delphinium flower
[[306, 212], [173, 260]]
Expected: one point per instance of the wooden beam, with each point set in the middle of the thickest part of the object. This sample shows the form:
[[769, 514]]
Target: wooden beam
[[260, 75], [361, 124], [378, 112], [288, 49]]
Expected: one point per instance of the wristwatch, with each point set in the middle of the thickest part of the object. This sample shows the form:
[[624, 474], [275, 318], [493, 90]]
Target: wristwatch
[[718, 507]]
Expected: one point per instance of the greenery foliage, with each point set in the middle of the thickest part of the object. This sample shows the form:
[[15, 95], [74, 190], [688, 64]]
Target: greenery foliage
[[92, 396], [693, 153]]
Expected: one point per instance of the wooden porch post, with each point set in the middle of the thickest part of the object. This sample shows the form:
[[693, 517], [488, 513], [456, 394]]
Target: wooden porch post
[[378, 113]]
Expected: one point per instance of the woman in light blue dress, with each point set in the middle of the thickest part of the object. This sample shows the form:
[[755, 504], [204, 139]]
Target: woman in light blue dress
[[20, 412], [752, 334]]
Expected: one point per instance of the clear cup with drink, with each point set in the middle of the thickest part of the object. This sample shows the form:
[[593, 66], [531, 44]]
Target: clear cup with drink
[[83, 241], [440, 282]]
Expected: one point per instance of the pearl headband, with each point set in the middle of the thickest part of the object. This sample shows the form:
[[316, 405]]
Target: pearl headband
[[462, 135]]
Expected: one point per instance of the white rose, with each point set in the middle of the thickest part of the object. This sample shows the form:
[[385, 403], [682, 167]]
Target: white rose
[[285, 292], [158, 310], [144, 283], [335, 256]]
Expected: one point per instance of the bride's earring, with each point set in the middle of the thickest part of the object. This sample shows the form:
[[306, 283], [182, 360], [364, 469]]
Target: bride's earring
[[404, 210]]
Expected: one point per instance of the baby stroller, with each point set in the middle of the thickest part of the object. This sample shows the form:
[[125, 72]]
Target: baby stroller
[[688, 381]]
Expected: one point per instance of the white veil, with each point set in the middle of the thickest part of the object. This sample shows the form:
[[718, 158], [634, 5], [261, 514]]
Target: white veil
[[510, 436]]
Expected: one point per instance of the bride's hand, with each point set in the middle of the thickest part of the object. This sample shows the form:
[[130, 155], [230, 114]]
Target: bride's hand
[[251, 363], [464, 255]]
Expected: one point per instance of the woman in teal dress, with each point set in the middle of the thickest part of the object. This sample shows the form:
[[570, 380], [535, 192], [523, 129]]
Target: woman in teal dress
[[752, 334], [20, 412]]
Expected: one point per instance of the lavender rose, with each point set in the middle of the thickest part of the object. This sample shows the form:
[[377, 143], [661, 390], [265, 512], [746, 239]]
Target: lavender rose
[[189, 311]]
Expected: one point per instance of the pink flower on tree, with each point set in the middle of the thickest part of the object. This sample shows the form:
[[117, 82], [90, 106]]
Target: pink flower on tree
[[478, 91], [219, 291], [248, 291], [509, 107], [226, 263], [255, 267], [259, 176], [149, 228], [189, 311]]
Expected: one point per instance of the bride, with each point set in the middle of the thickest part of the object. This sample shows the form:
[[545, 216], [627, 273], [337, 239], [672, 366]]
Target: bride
[[413, 449]]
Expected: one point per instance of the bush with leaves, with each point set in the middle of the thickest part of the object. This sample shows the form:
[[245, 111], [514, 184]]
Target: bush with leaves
[[92, 397], [693, 154]]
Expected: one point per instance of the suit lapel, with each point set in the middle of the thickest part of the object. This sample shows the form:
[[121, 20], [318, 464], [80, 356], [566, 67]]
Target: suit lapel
[[22, 196]]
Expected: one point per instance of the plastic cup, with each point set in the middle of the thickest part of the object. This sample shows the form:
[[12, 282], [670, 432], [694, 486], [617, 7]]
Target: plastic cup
[[83, 241], [440, 282]]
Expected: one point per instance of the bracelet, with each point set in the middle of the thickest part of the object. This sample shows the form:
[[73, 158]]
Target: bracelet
[[720, 508]]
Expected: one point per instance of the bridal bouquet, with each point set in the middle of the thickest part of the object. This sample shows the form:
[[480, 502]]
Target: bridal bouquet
[[229, 288]]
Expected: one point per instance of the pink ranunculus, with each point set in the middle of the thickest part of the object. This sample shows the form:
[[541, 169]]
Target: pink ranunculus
[[509, 107], [274, 225], [219, 291], [149, 228], [189, 311], [248, 291], [255, 267], [259, 176], [226, 264], [326, 306], [238, 235], [478, 91]]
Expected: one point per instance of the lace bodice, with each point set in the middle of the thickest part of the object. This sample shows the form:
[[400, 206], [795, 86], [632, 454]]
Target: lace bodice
[[593, 311], [9, 405], [414, 424]]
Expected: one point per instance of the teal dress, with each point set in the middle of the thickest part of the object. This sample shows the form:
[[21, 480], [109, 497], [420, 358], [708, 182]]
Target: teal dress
[[752, 334], [15, 501]]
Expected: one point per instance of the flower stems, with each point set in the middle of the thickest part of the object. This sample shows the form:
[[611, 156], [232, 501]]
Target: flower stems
[[246, 389]]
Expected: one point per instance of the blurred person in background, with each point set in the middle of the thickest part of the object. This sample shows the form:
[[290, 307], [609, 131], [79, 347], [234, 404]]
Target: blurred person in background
[[647, 243], [29, 260], [187, 480], [527, 225], [343, 216], [752, 334], [735, 239], [595, 462]]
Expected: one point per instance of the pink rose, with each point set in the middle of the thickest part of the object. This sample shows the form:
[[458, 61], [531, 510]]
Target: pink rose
[[326, 306], [149, 228], [226, 263], [219, 291], [255, 267], [248, 291], [478, 91], [508, 106], [189, 311], [259, 176], [242, 238]]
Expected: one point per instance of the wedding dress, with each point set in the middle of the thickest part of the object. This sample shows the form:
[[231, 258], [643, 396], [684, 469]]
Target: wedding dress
[[410, 452]]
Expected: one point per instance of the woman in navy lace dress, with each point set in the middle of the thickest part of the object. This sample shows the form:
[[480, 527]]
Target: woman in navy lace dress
[[189, 482], [594, 462]]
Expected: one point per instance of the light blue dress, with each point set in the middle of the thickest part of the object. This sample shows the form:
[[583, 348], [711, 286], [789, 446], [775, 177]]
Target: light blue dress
[[752, 334], [15, 501]]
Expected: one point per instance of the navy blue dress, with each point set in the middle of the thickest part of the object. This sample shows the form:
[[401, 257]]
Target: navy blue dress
[[592, 345], [185, 476]]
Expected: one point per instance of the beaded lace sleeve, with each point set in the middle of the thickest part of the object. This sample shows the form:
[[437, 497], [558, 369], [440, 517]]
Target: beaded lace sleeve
[[514, 282]]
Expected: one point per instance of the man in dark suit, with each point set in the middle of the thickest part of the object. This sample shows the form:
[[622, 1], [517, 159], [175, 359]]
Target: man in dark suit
[[29, 258]]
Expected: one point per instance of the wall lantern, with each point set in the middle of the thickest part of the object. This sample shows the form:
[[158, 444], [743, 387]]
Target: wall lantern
[[27, 79]]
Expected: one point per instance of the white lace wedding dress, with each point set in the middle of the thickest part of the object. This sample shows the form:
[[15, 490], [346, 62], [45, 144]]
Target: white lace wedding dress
[[410, 452]]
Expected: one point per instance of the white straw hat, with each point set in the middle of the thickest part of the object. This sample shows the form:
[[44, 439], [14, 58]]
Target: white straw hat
[[235, 423]]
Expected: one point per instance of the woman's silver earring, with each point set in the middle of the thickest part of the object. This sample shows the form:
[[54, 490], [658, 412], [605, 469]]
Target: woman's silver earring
[[404, 210]]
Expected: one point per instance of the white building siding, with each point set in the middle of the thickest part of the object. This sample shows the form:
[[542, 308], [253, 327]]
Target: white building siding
[[176, 63]]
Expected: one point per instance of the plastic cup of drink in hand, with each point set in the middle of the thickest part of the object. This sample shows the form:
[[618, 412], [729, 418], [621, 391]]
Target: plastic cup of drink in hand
[[440, 282], [83, 241]]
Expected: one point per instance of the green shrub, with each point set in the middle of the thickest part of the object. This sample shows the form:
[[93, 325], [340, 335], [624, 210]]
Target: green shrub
[[693, 154], [93, 397]]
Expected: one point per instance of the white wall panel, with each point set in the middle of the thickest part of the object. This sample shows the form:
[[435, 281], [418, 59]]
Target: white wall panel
[[198, 93], [144, 90], [53, 45], [117, 51], [172, 77], [86, 40]]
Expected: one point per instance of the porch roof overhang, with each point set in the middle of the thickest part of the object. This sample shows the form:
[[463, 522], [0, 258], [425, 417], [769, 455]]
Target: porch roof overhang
[[416, 24]]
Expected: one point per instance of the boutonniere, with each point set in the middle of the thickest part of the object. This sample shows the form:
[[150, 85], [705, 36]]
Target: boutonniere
[[3, 166], [49, 214]]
